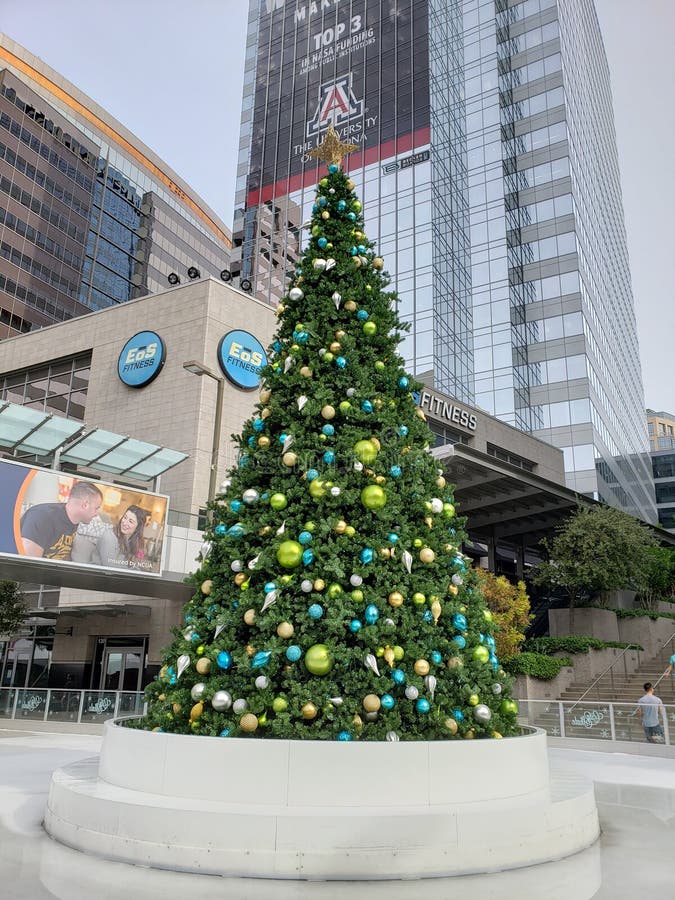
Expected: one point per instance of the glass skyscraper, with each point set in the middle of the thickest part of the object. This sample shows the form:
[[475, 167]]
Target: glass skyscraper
[[488, 169], [89, 216]]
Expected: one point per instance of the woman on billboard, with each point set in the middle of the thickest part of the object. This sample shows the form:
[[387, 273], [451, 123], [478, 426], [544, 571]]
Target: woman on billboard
[[122, 545]]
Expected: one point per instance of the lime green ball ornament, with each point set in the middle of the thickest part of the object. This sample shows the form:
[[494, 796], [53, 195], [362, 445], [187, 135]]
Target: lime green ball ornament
[[366, 452], [279, 704], [319, 660], [369, 328], [289, 554], [317, 488], [344, 407], [481, 654], [373, 497], [278, 501]]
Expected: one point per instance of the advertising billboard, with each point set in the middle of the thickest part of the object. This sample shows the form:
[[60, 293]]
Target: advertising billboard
[[78, 521]]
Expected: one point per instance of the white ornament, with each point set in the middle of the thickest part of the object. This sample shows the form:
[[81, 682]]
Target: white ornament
[[182, 663], [336, 701], [496, 688], [250, 496], [337, 299], [411, 692], [289, 440], [288, 362], [457, 580], [296, 293], [270, 599], [306, 586], [371, 663], [261, 682], [197, 690], [351, 392], [355, 580], [330, 263], [407, 560], [253, 562], [322, 351], [281, 528], [335, 491], [430, 682], [319, 264], [239, 706], [436, 505], [358, 466], [225, 485], [236, 565], [392, 736], [389, 623], [301, 401], [218, 631]]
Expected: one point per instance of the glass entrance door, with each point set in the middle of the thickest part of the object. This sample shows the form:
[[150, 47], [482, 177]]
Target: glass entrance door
[[121, 669]]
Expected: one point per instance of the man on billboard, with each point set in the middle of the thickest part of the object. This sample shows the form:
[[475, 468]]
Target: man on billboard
[[48, 529]]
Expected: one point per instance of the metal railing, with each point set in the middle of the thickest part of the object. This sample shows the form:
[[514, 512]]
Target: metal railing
[[594, 719], [60, 705], [610, 669], [661, 677]]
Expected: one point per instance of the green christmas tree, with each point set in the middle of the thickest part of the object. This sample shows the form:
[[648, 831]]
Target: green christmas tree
[[334, 602]]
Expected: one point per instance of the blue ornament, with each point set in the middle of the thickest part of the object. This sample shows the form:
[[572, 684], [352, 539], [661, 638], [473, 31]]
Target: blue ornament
[[236, 531], [251, 441], [261, 658], [235, 604], [355, 626], [276, 346], [403, 430], [243, 462], [293, 653], [459, 622], [387, 701], [333, 169], [459, 563], [305, 537], [367, 406], [235, 505], [322, 202], [366, 555], [315, 208], [328, 430], [172, 679], [159, 731], [372, 614], [322, 242], [428, 616], [354, 251], [282, 437], [436, 658], [361, 248], [341, 362], [308, 557], [195, 638], [298, 271], [490, 641], [301, 337], [459, 641], [224, 733], [398, 676], [311, 474], [220, 529], [481, 638], [422, 705], [223, 660], [362, 315], [329, 457], [315, 611], [351, 216], [188, 619], [392, 538], [341, 206], [403, 382], [344, 736], [395, 471], [458, 715], [269, 587], [258, 424]]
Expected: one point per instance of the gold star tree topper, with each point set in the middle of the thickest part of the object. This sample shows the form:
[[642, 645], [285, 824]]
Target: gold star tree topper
[[332, 150]]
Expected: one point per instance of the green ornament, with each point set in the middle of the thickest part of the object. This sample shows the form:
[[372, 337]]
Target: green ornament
[[318, 660], [373, 497], [278, 501], [369, 328], [310, 526], [344, 407], [328, 356], [279, 704], [316, 231], [448, 510], [324, 182], [334, 591], [289, 554], [379, 365], [317, 488], [366, 452], [509, 707], [481, 654], [356, 206], [357, 595]]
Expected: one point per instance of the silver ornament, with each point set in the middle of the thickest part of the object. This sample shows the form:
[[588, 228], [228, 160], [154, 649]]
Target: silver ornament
[[225, 485], [322, 351], [336, 297], [389, 623], [371, 663], [189, 631], [218, 631], [296, 293], [355, 580], [181, 665], [407, 560], [270, 600], [281, 528], [331, 190], [288, 362], [221, 701], [301, 401], [358, 466], [240, 706], [336, 701], [252, 563], [392, 736], [306, 586], [205, 549], [319, 264], [370, 716], [335, 491], [197, 690], [436, 505], [351, 392], [250, 496], [236, 565], [411, 692], [289, 440], [457, 580], [261, 682], [330, 263], [430, 682], [496, 688], [482, 713]]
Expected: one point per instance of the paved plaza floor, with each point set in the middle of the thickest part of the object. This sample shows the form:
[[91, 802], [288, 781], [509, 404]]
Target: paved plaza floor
[[635, 856]]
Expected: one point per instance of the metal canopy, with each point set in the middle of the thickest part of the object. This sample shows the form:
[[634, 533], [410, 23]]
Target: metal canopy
[[31, 431], [28, 430]]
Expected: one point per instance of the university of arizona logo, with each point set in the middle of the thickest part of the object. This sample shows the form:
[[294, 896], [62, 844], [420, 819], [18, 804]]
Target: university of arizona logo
[[337, 104]]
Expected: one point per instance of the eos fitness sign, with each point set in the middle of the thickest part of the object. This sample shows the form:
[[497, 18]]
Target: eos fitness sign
[[141, 359], [242, 358]]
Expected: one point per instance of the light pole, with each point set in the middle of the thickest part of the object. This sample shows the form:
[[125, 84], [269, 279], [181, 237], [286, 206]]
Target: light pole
[[197, 368]]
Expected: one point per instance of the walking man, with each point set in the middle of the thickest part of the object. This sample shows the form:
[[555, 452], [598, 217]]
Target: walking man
[[649, 707]]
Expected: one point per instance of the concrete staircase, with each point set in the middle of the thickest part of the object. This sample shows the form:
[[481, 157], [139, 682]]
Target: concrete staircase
[[618, 687]]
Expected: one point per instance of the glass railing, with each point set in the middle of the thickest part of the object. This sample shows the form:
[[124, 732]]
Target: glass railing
[[57, 705]]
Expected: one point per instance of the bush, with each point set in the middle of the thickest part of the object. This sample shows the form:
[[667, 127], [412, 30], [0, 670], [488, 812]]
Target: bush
[[536, 665], [639, 613], [572, 644]]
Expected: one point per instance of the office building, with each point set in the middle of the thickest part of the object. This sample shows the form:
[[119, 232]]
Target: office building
[[488, 170], [89, 216], [661, 428]]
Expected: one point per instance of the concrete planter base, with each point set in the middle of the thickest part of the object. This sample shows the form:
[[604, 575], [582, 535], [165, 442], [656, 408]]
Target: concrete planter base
[[320, 810]]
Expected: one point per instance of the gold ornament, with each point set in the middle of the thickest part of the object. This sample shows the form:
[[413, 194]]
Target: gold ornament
[[419, 412], [340, 526], [289, 459], [309, 711], [339, 334], [357, 721], [470, 735], [263, 441], [250, 650], [455, 662], [265, 529], [335, 347], [248, 723], [249, 616], [265, 395], [388, 654], [325, 214], [280, 309], [206, 586], [395, 599], [385, 552], [350, 306], [451, 725], [196, 711], [421, 667], [319, 584], [331, 149], [328, 412], [285, 630], [380, 479], [371, 703], [428, 521], [350, 184], [306, 372], [427, 555], [176, 707], [496, 734], [203, 666], [240, 578], [378, 262], [453, 589], [440, 482], [436, 611]]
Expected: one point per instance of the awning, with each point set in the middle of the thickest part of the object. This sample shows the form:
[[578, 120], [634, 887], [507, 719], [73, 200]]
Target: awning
[[31, 431]]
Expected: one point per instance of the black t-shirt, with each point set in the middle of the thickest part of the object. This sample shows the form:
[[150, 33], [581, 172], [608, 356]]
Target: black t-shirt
[[48, 525]]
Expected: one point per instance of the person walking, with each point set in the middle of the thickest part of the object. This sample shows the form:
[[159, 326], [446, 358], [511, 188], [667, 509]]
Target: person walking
[[649, 707]]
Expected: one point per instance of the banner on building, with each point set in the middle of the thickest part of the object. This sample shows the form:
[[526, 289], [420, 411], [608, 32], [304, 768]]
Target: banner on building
[[78, 521]]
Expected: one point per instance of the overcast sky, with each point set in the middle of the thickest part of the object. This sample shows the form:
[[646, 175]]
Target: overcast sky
[[171, 73]]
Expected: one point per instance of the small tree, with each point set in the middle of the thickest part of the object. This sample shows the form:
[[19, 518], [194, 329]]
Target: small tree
[[597, 549], [510, 607], [13, 607], [660, 577]]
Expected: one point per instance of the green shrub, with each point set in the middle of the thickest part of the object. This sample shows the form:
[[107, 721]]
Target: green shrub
[[639, 613], [573, 643], [537, 665]]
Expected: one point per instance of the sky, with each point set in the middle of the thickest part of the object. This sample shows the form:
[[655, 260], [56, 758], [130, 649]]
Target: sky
[[171, 72]]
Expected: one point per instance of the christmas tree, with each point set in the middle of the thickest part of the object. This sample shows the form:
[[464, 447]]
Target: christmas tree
[[334, 601]]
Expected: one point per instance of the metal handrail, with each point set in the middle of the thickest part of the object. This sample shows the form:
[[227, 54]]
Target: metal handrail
[[605, 671], [661, 677]]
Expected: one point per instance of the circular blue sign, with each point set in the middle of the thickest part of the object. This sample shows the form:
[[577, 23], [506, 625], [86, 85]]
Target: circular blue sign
[[242, 358], [141, 359]]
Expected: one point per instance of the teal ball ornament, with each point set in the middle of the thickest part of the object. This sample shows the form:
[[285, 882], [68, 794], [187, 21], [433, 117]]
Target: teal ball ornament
[[373, 497], [289, 554]]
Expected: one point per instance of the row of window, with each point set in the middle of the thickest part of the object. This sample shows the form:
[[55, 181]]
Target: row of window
[[533, 213], [545, 288], [546, 248], [44, 273], [58, 387], [40, 239], [531, 106], [31, 298], [531, 72], [44, 181], [41, 209], [16, 323]]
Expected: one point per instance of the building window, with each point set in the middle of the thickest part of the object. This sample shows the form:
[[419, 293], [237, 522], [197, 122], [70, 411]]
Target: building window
[[58, 387], [511, 458]]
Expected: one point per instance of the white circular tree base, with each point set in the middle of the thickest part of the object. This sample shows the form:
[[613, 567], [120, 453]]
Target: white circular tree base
[[321, 810]]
